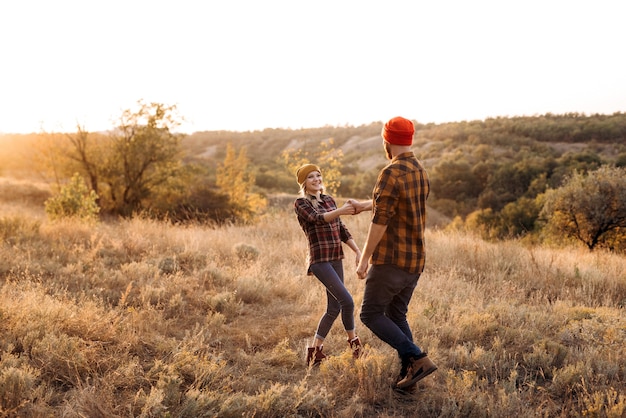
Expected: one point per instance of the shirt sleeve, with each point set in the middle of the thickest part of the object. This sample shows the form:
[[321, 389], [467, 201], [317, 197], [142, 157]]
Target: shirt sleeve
[[345, 234], [385, 199], [306, 211]]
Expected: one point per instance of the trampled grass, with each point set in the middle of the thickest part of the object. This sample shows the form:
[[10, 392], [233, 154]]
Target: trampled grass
[[139, 318]]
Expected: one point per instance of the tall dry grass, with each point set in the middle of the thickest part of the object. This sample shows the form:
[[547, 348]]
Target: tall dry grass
[[142, 319]]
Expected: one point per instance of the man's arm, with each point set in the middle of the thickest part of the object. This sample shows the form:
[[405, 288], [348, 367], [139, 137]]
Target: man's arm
[[361, 206], [374, 235]]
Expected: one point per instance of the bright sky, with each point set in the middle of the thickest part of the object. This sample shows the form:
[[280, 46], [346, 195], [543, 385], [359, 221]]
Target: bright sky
[[254, 64]]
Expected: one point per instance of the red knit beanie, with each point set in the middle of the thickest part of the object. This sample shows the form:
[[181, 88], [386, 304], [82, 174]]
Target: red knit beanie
[[398, 131]]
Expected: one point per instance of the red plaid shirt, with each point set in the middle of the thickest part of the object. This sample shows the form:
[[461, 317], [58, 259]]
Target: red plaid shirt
[[324, 238], [399, 201]]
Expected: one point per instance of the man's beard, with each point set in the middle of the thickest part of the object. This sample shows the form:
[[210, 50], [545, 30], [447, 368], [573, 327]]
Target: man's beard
[[388, 152]]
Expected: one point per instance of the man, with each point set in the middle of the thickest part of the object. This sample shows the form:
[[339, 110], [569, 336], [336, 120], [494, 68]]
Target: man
[[395, 250]]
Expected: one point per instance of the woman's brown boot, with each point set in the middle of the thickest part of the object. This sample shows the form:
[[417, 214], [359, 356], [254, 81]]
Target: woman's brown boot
[[314, 355], [355, 346]]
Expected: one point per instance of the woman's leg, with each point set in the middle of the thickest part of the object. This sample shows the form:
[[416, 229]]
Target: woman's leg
[[339, 299]]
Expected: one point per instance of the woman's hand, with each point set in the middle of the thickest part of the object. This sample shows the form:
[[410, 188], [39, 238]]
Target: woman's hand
[[358, 258], [360, 206], [348, 208], [355, 204]]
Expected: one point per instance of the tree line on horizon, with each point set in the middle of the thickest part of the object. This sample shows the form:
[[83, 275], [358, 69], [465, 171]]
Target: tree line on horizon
[[542, 177]]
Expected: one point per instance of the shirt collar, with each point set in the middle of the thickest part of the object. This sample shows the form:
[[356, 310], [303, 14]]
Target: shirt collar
[[403, 156]]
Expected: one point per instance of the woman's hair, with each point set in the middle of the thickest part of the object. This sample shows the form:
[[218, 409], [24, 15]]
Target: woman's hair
[[311, 198]]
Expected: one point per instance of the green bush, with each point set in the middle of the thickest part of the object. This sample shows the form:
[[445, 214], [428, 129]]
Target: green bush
[[74, 200]]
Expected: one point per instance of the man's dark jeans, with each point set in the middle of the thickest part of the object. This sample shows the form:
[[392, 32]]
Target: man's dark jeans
[[388, 291]]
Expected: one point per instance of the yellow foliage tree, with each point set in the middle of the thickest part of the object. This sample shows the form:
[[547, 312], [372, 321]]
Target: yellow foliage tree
[[590, 208], [328, 158], [235, 179]]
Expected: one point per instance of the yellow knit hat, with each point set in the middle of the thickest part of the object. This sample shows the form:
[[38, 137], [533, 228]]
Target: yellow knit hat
[[304, 171]]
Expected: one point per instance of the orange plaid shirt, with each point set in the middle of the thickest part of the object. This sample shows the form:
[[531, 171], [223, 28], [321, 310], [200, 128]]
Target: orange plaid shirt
[[399, 201]]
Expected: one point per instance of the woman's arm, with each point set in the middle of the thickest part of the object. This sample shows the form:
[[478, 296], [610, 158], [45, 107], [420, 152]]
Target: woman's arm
[[352, 244], [346, 209]]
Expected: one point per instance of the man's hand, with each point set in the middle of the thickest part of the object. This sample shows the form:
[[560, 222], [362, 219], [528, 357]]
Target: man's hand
[[358, 207], [361, 269], [361, 206]]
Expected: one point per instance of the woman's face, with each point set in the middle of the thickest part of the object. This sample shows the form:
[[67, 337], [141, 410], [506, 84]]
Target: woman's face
[[313, 182]]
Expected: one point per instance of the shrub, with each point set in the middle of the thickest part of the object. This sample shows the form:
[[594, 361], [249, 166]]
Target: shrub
[[74, 200]]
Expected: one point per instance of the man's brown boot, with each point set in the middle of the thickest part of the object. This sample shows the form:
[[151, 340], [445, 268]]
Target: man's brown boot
[[418, 368]]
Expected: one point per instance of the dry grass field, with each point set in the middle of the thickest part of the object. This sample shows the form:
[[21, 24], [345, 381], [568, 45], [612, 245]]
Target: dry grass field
[[137, 318]]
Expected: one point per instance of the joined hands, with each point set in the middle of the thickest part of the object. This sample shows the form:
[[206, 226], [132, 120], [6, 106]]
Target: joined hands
[[357, 207]]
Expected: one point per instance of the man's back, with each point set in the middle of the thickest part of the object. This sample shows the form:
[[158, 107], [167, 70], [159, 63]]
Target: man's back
[[399, 201]]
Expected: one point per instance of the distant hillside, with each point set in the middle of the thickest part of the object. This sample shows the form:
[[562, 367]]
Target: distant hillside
[[265, 146], [605, 134], [473, 165]]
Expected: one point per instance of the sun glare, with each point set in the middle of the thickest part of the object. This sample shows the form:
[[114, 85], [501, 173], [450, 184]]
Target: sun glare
[[253, 68]]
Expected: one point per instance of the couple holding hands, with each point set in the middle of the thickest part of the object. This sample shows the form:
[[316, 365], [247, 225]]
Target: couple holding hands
[[392, 259]]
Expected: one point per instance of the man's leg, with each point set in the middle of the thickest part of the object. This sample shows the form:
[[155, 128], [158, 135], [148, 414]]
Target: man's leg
[[384, 283]]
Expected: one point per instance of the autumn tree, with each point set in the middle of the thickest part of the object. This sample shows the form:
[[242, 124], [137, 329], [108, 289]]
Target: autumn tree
[[50, 158], [454, 179], [138, 167], [590, 208], [124, 166], [236, 180], [83, 152], [516, 219], [327, 157], [144, 153], [191, 196], [58, 156]]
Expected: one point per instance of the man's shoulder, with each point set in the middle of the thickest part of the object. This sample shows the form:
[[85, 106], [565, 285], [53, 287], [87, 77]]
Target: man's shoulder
[[402, 163], [409, 161]]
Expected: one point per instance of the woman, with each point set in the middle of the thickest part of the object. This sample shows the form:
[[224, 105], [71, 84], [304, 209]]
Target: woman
[[318, 216]]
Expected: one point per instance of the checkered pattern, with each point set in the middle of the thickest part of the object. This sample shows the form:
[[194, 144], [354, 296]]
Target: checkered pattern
[[399, 201], [324, 238]]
